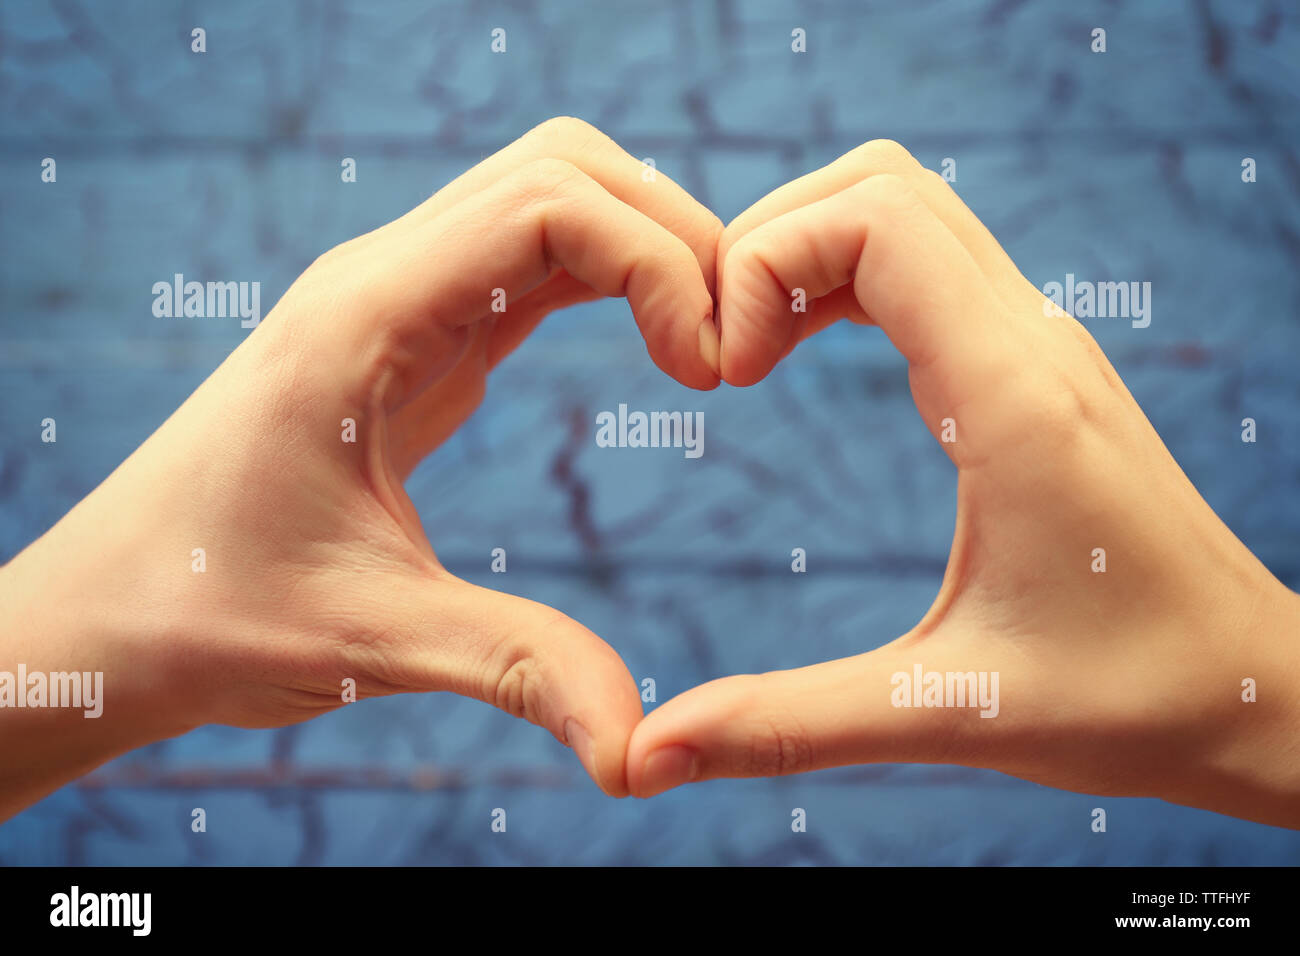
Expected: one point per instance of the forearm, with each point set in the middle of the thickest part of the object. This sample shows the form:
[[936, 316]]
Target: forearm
[[78, 684]]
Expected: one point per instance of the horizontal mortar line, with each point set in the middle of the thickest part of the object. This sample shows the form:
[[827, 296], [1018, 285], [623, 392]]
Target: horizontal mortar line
[[181, 357], [422, 779], [1126, 137], [427, 779], [821, 565]]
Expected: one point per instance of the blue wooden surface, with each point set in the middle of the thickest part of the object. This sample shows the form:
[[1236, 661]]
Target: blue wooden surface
[[1123, 165]]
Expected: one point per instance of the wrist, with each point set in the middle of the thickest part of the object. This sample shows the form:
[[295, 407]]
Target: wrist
[[81, 678], [1249, 758]]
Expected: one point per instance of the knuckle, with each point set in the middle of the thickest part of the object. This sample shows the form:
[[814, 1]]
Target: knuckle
[[780, 749], [779, 745], [1088, 346], [515, 688], [886, 154], [565, 131], [1055, 410], [887, 189], [754, 249], [1062, 411], [548, 177]]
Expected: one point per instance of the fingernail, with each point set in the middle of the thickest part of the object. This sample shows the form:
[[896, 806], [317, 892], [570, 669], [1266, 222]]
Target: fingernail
[[668, 767], [576, 736], [709, 346]]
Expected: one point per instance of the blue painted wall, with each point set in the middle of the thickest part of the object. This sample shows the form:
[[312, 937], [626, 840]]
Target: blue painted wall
[[226, 165]]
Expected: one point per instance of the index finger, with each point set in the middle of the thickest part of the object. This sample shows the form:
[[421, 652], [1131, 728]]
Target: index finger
[[904, 267], [626, 178], [886, 157]]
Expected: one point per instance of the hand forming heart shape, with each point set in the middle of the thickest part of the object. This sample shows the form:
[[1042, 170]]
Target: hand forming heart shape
[[1094, 606]]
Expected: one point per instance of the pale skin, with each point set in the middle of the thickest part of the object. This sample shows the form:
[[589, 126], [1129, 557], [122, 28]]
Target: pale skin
[[318, 568], [1127, 682]]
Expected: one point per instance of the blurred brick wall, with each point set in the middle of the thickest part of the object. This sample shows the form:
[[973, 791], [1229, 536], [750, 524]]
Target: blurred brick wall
[[1123, 165]]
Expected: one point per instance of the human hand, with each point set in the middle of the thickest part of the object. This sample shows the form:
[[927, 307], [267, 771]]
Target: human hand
[[1122, 682], [316, 568]]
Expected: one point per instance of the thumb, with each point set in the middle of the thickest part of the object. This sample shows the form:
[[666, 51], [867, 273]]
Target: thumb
[[841, 712], [526, 658]]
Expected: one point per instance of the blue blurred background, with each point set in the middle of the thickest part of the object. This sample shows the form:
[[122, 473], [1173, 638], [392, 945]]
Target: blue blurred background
[[1117, 166]]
